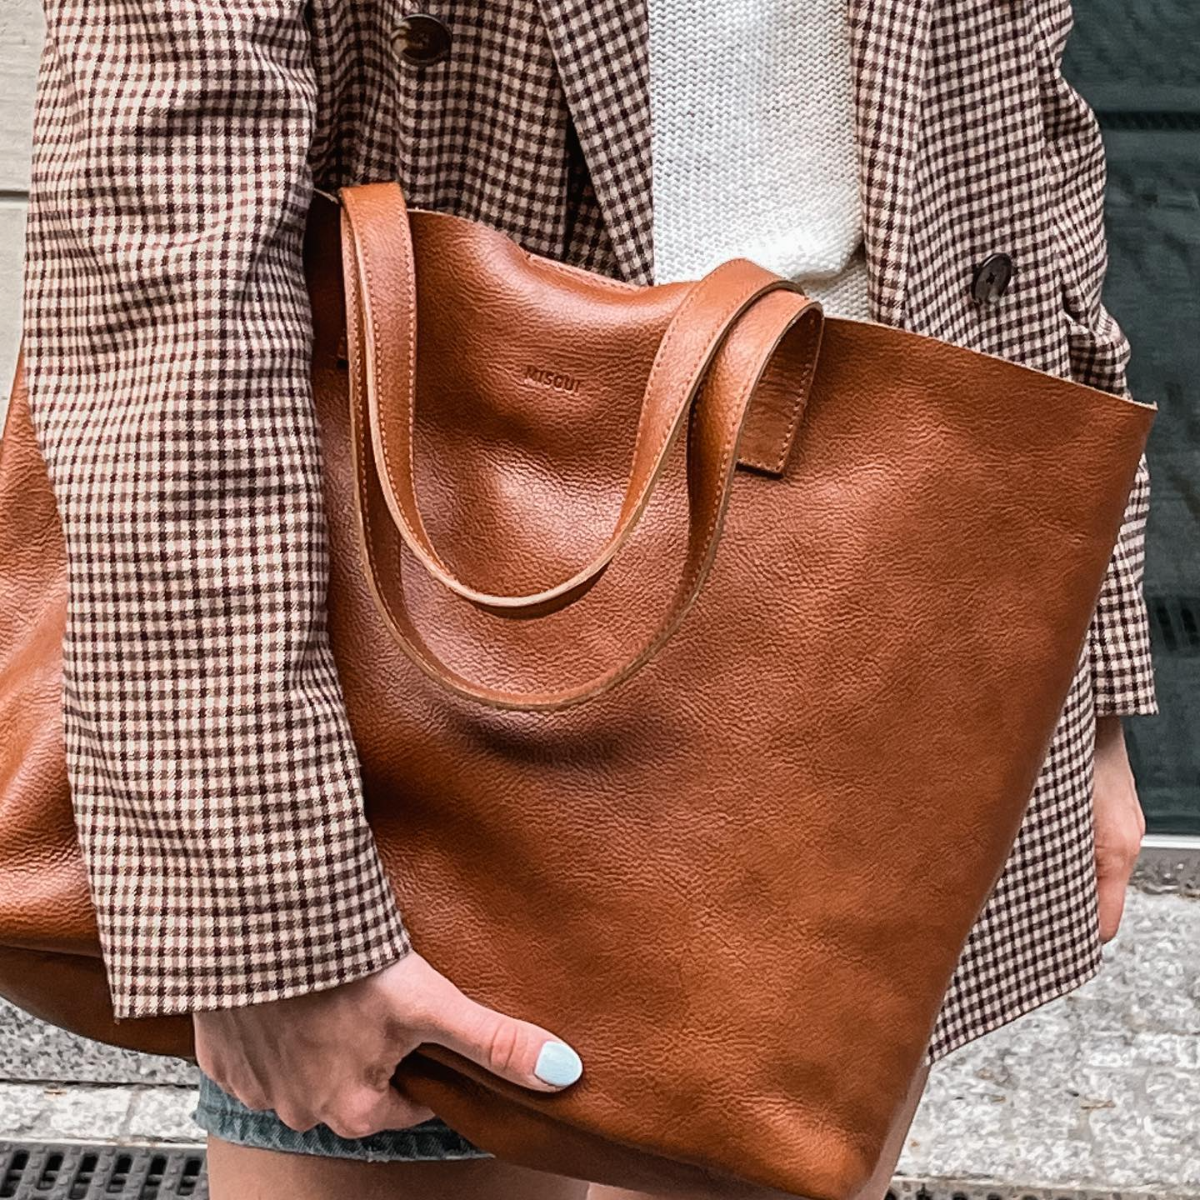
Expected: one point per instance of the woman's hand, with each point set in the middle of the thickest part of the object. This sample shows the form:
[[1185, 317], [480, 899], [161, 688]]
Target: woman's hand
[[1120, 823], [327, 1057]]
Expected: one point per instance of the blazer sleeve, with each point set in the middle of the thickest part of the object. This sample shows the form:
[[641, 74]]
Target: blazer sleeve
[[1118, 645], [168, 349]]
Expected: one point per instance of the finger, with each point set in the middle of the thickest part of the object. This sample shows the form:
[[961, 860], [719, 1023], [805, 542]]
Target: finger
[[518, 1051], [1112, 884], [296, 1118], [395, 1111], [375, 1112], [255, 1099]]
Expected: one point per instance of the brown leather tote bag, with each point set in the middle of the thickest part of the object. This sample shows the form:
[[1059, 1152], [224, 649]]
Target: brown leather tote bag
[[701, 653]]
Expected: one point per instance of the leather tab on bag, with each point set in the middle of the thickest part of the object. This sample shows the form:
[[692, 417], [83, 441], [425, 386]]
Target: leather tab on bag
[[780, 399]]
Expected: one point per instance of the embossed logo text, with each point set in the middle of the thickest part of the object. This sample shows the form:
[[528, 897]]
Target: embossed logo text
[[558, 380]]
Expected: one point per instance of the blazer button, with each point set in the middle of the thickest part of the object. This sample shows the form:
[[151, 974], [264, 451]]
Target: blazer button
[[422, 39], [991, 277]]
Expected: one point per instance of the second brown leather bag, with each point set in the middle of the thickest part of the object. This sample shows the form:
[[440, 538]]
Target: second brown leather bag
[[701, 654]]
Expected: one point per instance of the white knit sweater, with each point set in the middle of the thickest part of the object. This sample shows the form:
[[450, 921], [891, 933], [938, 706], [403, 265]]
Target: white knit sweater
[[753, 143]]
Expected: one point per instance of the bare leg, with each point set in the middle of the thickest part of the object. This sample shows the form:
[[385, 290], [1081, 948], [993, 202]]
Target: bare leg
[[241, 1173], [875, 1189]]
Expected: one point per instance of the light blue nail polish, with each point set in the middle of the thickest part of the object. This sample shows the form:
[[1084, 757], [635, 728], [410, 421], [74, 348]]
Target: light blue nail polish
[[558, 1065]]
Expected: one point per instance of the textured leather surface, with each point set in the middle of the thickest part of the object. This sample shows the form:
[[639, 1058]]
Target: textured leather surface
[[714, 877]]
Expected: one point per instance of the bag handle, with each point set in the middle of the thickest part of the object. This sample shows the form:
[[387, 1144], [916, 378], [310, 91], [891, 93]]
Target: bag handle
[[726, 332], [377, 234]]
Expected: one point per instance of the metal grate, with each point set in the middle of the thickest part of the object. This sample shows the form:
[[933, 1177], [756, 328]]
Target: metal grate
[[950, 1189], [49, 1171]]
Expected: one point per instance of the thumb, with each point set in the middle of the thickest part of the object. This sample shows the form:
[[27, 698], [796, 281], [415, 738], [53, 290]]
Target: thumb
[[518, 1051]]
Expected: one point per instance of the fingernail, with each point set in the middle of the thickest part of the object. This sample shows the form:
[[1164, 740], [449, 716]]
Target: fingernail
[[558, 1065]]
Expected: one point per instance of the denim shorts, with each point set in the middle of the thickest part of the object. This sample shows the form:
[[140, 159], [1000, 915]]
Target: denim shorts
[[229, 1119]]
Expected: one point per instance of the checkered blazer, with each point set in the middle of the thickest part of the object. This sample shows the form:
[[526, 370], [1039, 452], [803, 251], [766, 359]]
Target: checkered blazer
[[177, 144]]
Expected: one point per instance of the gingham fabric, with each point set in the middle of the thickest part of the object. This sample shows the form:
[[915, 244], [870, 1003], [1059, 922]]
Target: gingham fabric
[[167, 343]]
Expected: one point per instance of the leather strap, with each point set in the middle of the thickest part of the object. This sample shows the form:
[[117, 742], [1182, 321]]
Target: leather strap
[[375, 222], [727, 330]]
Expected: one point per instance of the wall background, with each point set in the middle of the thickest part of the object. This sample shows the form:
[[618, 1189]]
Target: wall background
[[20, 42], [1138, 64]]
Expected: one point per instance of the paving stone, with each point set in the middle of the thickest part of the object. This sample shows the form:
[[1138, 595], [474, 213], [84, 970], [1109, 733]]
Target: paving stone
[[1097, 1090], [50, 1112], [33, 1051], [163, 1114]]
